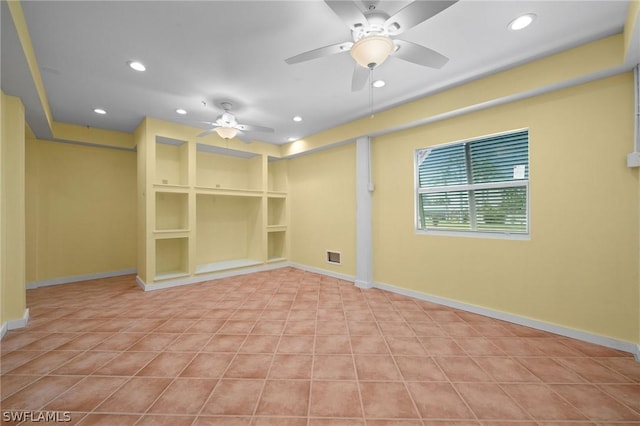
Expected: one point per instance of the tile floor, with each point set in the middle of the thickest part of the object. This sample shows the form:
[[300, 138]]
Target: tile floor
[[288, 347]]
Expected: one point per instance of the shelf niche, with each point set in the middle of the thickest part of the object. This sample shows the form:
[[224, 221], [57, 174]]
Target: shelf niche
[[276, 242], [223, 168], [229, 232], [277, 175], [171, 211], [171, 162], [172, 256], [276, 215]]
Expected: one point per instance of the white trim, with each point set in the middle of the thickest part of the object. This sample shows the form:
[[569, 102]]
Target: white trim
[[332, 274], [76, 278], [585, 336], [499, 235], [206, 277], [364, 238], [363, 284], [140, 282], [15, 324]]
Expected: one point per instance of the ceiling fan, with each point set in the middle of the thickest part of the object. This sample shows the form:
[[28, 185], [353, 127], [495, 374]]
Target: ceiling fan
[[227, 127], [373, 34]]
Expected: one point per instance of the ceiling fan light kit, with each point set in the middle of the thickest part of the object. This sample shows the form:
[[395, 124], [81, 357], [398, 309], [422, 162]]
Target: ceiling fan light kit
[[226, 132], [371, 51]]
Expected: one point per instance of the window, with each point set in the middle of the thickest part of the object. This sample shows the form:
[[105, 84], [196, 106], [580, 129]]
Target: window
[[477, 186]]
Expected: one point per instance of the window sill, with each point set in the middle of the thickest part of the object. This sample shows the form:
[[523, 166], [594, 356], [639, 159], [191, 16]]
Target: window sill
[[474, 234]]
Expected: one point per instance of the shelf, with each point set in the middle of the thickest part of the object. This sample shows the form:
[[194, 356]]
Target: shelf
[[171, 275], [276, 245], [171, 162], [221, 168], [171, 211], [171, 188], [276, 228], [228, 191], [225, 265], [277, 194], [171, 233]]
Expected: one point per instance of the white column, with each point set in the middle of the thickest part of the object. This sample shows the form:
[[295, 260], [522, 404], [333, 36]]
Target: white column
[[364, 240]]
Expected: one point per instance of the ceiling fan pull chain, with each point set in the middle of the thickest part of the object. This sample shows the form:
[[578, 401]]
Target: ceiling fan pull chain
[[371, 91]]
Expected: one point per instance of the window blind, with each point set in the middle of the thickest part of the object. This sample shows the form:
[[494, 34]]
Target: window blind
[[479, 185]]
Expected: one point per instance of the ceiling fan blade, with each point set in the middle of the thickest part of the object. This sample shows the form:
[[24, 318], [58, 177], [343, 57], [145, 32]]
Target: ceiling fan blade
[[207, 132], [348, 12], [243, 137], [253, 128], [360, 77], [418, 54], [320, 52], [414, 14]]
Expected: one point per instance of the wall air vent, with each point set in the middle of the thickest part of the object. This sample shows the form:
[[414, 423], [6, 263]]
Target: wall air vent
[[333, 257]]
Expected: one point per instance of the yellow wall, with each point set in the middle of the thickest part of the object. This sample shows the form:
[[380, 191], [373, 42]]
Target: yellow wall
[[12, 209], [81, 210], [580, 267], [322, 208]]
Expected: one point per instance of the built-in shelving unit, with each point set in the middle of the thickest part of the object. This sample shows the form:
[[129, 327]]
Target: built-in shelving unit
[[205, 208]]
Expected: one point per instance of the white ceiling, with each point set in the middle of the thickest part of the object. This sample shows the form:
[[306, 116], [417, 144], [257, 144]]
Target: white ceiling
[[206, 52]]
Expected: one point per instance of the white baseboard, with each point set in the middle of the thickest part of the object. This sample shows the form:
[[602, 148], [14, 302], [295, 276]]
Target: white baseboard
[[363, 284], [597, 339], [15, 324], [76, 278], [332, 274], [207, 277]]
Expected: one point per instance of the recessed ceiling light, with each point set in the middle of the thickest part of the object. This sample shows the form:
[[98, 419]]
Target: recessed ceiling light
[[378, 83], [297, 118], [522, 21], [292, 139], [181, 111], [135, 65], [99, 111]]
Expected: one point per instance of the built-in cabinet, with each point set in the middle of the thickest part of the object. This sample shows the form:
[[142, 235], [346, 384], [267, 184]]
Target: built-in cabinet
[[207, 209]]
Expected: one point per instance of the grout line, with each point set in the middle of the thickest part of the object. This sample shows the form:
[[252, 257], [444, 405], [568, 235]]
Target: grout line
[[313, 352], [353, 354]]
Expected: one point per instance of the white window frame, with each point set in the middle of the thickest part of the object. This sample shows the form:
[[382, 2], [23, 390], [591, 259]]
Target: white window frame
[[505, 184]]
